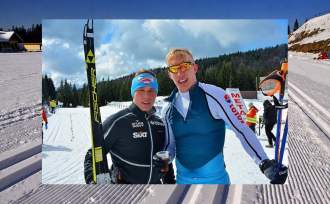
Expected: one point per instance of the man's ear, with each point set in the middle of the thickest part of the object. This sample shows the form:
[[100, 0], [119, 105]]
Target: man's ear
[[169, 75], [196, 68]]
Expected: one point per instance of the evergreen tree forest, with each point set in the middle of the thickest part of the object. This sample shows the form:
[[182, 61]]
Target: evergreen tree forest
[[48, 89], [236, 70]]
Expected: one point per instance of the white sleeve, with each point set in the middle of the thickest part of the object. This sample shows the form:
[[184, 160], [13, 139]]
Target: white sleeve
[[170, 141], [222, 107]]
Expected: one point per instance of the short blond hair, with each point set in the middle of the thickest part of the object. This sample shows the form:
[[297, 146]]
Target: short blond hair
[[181, 52]]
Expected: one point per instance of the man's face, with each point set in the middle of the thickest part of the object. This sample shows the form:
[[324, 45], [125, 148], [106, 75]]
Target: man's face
[[184, 79], [144, 98]]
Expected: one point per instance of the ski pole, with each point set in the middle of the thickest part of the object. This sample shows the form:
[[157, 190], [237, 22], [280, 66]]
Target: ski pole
[[283, 73], [278, 130], [285, 133]]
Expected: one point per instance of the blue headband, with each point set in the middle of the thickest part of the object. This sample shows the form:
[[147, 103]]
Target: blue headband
[[143, 80]]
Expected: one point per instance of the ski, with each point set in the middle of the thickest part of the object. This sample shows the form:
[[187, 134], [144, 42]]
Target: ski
[[99, 159]]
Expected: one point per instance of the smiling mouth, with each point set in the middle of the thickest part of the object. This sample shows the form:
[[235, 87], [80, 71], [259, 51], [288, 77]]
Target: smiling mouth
[[182, 81]]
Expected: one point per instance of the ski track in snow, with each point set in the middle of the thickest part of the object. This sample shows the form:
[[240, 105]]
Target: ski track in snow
[[311, 76], [20, 85], [308, 153], [20, 81], [308, 180]]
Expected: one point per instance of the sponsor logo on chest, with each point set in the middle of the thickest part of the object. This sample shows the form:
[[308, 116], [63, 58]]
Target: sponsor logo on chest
[[137, 135], [137, 124], [153, 122]]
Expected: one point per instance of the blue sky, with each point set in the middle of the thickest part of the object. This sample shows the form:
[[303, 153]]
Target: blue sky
[[124, 46], [17, 12]]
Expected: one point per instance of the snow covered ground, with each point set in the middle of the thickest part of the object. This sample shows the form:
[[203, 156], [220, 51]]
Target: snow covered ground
[[20, 102], [20, 99], [67, 139], [20, 81]]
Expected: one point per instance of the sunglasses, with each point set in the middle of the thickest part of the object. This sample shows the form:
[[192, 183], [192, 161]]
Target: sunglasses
[[183, 66]]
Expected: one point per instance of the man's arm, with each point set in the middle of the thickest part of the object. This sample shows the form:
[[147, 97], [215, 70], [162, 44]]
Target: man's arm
[[170, 141], [222, 107]]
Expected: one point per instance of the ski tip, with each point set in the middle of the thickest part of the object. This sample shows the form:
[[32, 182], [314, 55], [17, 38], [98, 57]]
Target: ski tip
[[89, 23]]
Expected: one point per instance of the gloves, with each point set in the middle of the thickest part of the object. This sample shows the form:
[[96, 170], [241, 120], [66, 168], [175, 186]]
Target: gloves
[[169, 177], [88, 170], [88, 167], [166, 177], [116, 175], [157, 165], [277, 174], [278, 105]]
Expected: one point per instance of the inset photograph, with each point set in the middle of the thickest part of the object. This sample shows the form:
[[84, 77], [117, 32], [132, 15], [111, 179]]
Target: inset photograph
[[164, 101]]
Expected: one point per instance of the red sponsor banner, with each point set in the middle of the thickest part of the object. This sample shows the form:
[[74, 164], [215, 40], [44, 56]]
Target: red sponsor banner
[[238, 103]]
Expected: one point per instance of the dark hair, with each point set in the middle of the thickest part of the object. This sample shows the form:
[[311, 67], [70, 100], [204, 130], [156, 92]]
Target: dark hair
[[141, 71]]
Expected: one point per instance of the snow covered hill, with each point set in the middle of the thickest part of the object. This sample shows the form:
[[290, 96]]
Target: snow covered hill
[[312, 36]]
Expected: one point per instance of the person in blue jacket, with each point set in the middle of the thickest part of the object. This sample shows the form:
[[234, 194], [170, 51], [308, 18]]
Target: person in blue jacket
[[195, 118]]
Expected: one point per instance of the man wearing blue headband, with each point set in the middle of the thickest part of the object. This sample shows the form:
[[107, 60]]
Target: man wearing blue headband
[[144, 90], [134, 136]]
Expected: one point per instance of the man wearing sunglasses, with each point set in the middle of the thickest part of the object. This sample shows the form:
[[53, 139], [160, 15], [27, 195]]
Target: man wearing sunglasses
[[195, 119]]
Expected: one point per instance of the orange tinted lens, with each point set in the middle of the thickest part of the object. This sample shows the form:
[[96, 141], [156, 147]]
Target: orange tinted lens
[[174, 69], [183, 66]]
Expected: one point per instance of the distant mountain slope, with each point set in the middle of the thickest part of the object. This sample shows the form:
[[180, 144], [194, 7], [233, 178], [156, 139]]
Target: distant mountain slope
[[313, 36]]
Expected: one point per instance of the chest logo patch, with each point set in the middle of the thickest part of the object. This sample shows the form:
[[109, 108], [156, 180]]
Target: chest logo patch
[[139, 135], [137, 124]]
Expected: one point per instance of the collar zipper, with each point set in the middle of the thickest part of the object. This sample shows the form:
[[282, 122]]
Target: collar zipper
[[152, 148]]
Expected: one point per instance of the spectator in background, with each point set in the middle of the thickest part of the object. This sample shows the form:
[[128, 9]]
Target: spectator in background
[[269, 118], [52, 105], [44, 117], [251, 117]]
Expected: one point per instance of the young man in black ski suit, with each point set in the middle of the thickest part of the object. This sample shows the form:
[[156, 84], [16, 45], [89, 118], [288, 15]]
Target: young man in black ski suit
[[133, 136]]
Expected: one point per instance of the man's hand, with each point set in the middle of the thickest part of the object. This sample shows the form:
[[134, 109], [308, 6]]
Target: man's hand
[[167, 177], [276, 173], [88, 171], [157, 165]]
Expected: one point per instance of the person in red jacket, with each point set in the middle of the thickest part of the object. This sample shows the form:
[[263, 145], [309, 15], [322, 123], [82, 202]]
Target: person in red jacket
[[44, 117], [322, 55], [251, 117]]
